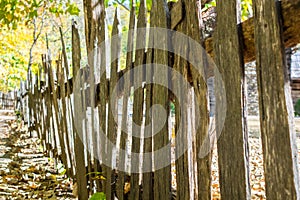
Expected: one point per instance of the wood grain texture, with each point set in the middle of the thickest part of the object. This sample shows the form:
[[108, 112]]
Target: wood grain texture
[[124, 122], [233, 172], [56, 114], [63, 116], [201, 94], [138, 101], [280, 161], [112, 107], [162, 176], [102, 93], [79, 150], [147, 179], [63, 66], [291, 27], [181, 123]]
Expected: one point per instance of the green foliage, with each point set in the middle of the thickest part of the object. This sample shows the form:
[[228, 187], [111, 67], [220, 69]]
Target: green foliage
[[13, 12], [246, 9], [19, 19], [98, 196], [13, 58], [72, 9], [149, 4], [97, 175], [246, 6], [297, 108], [209, 5], [172, 108], [127, 3]]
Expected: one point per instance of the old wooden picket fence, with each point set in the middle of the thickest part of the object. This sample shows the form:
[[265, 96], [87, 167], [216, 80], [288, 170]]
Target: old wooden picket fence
[[8, 100], [85, 116]]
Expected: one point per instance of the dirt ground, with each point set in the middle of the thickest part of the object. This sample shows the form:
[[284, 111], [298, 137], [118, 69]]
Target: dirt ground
[[257, 180], [25, 171]]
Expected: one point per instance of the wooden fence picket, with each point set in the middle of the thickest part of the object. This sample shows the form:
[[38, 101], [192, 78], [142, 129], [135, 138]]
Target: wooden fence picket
[[125, 113], [138, 102], [76, 112], [162, 174], [180, 66], [102, 93], [278, 143], [147, 179], [112, 109], [233, 166]]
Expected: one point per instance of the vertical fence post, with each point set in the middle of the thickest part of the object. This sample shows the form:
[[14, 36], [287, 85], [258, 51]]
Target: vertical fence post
[[79, 147], [112, 107], [276, 120], [138, 102], [125, 118], [232, 143], [162, 176]]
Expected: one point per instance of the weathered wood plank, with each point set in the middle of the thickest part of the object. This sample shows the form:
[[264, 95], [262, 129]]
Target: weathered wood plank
[[147, 179], [92, 15], [112, 106], [102, 92], [201, 93], [177, 14], [138, 101], [181, 125], [126, 94], [56, 113], [86, 127], [279, 150], [79, 150], [48, 113], [233, 172], [64, 96], [162, 175], [63, 113], [37, 104], [91, 140], [42, 108], [69, 121]]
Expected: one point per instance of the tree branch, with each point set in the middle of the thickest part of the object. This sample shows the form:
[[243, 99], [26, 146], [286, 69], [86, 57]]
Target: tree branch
[[122, 5], [291, 27], [36, 36]]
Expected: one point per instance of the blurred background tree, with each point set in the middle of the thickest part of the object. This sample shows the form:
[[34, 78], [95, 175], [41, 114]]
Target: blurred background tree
[[23, 28], [25, 24]]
